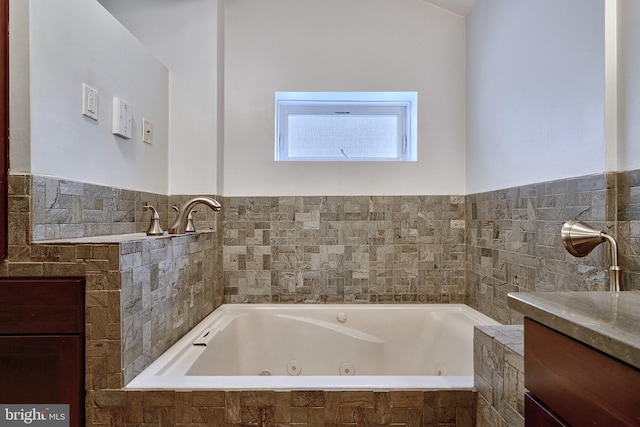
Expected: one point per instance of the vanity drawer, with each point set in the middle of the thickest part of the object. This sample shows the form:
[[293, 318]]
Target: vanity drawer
[[41, 305], [580, 384]]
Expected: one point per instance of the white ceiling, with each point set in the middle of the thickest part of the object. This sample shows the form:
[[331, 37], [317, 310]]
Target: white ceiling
[[459, 7]]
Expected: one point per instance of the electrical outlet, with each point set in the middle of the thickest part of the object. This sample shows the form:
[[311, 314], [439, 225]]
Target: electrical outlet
[[122, 119], [89, 102], [147, 131]]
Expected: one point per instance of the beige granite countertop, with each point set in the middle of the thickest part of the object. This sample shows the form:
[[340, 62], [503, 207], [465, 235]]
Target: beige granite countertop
[[607, 321]]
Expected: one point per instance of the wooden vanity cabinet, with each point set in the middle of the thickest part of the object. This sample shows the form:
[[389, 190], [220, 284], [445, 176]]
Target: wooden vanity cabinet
[[42, 343], [572, 384], [538, 415]]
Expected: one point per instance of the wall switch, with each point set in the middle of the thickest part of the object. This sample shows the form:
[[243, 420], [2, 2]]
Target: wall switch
[[122, 119], [147, 131], [89, 102]]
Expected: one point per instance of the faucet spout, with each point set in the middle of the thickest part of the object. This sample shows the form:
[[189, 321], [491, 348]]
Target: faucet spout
[[615, 272], [579, 239], [180, 224]]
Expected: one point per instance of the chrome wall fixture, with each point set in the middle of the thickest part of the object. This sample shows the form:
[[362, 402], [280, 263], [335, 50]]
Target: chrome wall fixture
[[580, 239]]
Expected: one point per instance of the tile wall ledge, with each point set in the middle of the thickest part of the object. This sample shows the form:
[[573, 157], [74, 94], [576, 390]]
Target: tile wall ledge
[[115, 238]]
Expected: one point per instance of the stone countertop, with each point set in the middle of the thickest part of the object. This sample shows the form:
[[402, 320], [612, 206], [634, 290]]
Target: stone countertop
[[607, 321]]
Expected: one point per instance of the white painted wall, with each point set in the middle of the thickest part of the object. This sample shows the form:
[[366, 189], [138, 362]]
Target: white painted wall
[[72, 42], [629, 85], [535, 92], [338, 45], [460, 7], [184, 35], [19, 90]]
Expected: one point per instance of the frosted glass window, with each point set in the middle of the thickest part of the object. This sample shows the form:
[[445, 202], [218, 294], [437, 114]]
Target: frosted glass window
[[343, 136], [344, 130]]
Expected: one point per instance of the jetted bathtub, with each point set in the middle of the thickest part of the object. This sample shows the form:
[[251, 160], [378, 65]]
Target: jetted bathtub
[[322, 347]]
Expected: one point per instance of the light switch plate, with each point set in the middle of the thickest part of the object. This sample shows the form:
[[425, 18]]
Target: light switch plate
[[89, 102], [147, 131], [122, 118]]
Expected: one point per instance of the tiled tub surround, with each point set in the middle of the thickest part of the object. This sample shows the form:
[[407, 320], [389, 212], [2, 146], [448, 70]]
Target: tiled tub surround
[[627, 227], [373, 249], [513, 239], [63, 209], [437, 408], [367, 249], [158, 289], [168, 286], [499, 375]]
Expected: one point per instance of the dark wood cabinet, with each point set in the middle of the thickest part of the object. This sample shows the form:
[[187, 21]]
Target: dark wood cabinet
[[575, 383], [4, 129], [42, 343], [538, 415], [40, 368]]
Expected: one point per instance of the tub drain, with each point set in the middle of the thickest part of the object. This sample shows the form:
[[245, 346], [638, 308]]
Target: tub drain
[[265, 373], [294, 367], [347, 369], [441, 371]]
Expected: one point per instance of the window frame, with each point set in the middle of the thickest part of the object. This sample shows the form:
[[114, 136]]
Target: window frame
[[402, 105]]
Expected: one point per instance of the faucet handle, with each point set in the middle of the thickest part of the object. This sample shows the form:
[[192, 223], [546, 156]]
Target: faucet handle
[[190, 228], [154, 226], [154, 212]]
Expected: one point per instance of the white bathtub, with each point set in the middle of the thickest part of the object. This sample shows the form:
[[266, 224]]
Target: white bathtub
[[322, 347]]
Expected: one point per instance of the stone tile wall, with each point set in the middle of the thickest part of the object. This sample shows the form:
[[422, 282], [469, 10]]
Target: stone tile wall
[[63, 209], [409, 248], [369, 249], [498, 353], [513, 241], [167, 287], [296, 408], [365, 249], [627, 227]]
